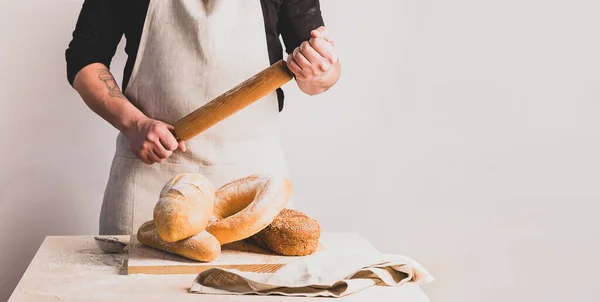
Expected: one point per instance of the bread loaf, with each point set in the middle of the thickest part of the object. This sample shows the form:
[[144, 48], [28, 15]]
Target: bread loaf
[[192, 219], [292, 233], [184, 208], [201, 247], [247, 205]]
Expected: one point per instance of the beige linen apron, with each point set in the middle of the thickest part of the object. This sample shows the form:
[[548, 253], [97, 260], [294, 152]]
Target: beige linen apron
[[190, 52]]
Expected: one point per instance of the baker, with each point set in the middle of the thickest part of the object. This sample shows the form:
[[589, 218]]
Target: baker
[[181, 55]]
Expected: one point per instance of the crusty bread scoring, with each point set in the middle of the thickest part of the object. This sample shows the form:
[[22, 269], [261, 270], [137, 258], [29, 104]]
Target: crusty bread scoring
[[185, 205]]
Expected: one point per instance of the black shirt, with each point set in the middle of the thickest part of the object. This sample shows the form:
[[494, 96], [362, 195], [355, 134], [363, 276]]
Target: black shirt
[[102, 24]]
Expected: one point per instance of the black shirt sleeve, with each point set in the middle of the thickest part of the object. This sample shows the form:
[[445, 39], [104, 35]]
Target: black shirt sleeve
[[297, 18], [96, 37]]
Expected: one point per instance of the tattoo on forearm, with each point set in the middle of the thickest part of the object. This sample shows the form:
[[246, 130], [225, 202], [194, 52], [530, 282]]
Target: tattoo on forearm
[[111, 83]]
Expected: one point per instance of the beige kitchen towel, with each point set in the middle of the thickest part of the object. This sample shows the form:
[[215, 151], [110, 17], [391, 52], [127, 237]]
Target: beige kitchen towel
[[324, 274]]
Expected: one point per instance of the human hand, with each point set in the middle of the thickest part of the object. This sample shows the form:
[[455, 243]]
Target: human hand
[[152, 141], [313, 60]]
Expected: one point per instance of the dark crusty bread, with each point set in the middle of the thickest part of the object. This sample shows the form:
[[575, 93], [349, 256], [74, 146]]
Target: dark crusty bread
[[292, 233]]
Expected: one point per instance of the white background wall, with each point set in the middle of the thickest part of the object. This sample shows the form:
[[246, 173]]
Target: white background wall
[[464, 134]]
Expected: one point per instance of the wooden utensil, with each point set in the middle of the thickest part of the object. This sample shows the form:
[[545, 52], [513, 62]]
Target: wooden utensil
[[232, 101]]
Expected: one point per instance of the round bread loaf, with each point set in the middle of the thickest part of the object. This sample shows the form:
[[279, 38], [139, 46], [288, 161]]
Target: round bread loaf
[[292, 233], [184, 208], [247, 205]]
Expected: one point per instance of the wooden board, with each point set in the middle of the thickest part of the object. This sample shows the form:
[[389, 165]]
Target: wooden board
[[238, 255]]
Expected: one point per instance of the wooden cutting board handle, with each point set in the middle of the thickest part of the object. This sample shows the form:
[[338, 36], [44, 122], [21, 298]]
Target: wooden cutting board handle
[[232, 101]]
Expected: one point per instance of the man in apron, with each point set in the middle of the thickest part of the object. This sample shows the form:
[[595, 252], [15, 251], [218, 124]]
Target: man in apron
[[181, 55]]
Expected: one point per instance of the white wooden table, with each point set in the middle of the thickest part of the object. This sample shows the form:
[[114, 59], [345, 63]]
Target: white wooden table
[[72, 268]]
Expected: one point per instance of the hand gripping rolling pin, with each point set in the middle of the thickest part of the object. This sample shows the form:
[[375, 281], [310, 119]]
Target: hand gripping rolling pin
[[232, 101]]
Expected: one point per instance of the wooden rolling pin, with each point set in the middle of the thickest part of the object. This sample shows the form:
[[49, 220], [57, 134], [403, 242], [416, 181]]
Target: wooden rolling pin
[[232, 101]]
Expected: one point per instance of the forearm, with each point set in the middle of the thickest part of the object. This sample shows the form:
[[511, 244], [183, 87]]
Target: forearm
[[321, 85], [101, 93]]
